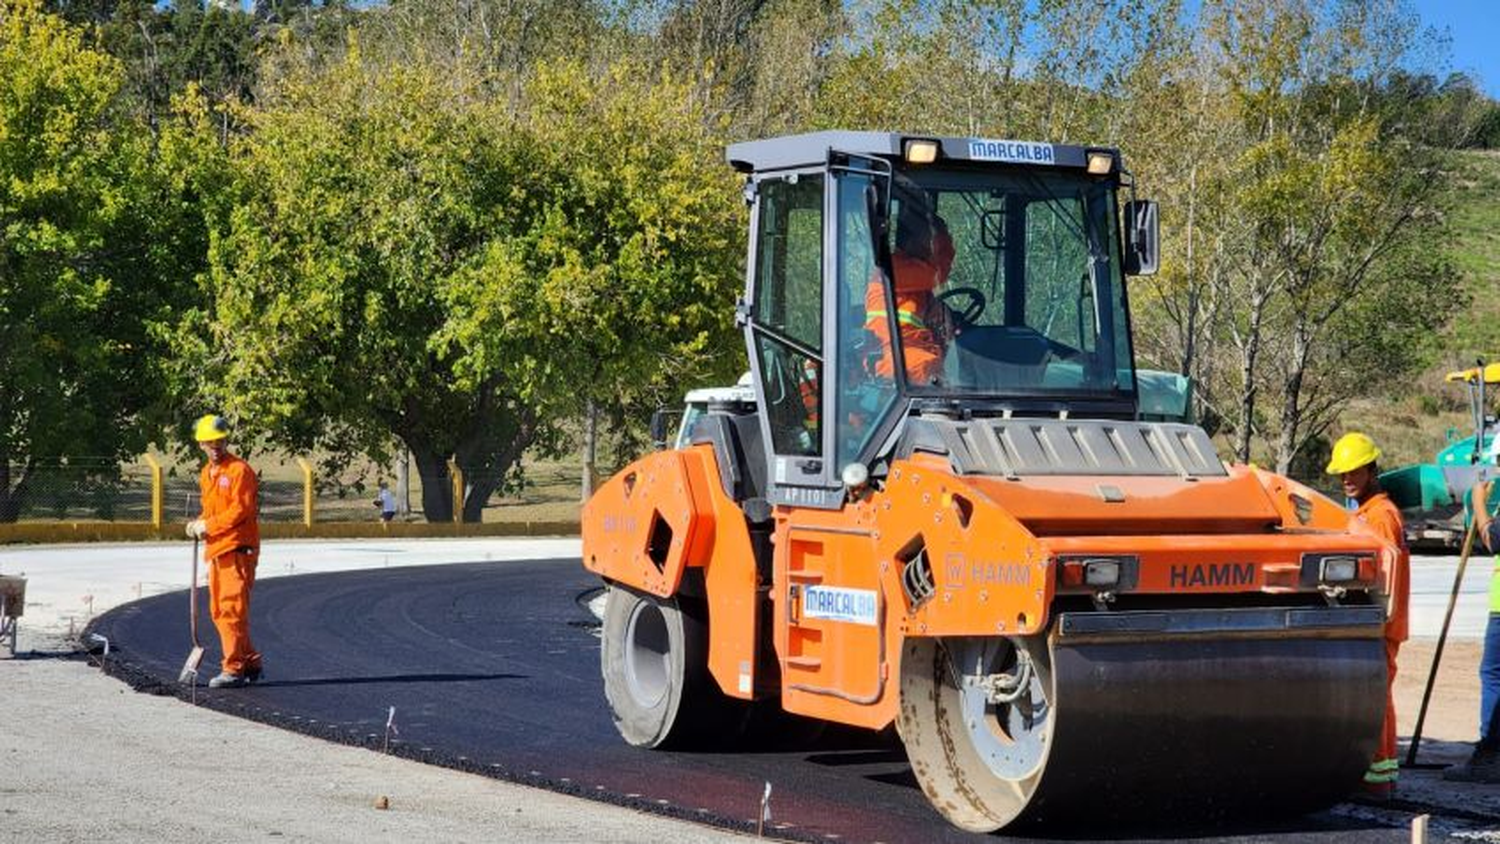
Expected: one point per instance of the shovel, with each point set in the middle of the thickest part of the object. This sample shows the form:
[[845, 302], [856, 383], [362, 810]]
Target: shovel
[[195, 656]]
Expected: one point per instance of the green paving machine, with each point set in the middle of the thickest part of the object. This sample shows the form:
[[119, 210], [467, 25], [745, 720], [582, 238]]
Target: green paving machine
[[1431, 495]]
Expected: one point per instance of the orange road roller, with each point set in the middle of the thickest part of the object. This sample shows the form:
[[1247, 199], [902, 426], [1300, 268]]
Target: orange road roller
[[949, 502]]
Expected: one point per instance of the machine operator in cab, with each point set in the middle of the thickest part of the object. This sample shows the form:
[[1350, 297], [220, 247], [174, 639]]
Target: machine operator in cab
[[921, 262]]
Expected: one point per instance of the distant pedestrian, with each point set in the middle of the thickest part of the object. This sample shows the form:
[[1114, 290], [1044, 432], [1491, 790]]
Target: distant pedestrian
[[228, 522], [386, 501], [1354, 461], [1484, 764]]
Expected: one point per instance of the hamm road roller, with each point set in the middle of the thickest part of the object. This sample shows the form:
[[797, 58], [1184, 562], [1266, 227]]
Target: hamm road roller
[[945, 509]]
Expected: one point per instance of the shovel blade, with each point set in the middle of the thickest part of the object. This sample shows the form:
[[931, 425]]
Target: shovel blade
[[190, 667]]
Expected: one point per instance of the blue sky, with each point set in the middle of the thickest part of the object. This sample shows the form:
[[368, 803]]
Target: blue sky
[[1474, 26]]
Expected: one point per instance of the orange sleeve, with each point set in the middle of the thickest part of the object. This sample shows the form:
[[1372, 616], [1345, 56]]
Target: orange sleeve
[[203, 493]]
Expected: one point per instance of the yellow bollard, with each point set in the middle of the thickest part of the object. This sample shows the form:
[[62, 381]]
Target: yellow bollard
[[457, 476], [158, 486], [307, 491]]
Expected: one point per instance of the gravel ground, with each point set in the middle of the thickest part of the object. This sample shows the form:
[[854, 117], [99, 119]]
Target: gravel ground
[[87, 759], [84, 758]]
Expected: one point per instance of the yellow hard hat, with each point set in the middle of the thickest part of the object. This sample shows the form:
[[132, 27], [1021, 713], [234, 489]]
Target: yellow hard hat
[[210, 428], [1352, 451]]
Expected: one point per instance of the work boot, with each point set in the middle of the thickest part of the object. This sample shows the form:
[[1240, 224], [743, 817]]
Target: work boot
[[1376, 792], [252, 673], [225, 680], [1483, 766]]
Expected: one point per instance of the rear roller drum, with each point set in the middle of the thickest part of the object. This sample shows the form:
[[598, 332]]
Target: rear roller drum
[[977, 718], [654, 661]]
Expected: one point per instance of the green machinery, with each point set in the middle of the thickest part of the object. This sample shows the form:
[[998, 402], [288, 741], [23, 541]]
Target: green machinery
[[1431, 495]]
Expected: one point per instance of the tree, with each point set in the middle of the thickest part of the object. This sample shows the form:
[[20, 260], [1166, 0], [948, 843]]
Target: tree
[[1334, 201], [408, 255], [96, 241]]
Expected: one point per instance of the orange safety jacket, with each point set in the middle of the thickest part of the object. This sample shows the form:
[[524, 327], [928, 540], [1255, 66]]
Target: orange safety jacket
[[921, 340], [229, 490], [1381, 516]]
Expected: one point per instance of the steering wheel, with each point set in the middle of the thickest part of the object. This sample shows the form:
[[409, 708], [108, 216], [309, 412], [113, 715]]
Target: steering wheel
[[972, 308]]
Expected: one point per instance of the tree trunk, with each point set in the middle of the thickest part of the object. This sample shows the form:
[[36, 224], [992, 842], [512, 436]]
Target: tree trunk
[[1250, 353], [1287, 441], [403, 481], [477, 491], [590, 448], [13, 498], [1190, 341], [437, 492], [484, 470]]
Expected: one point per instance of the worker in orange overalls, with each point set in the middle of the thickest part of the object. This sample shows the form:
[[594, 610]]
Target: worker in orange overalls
[[229, 491], [1353, 460], [921, 262]]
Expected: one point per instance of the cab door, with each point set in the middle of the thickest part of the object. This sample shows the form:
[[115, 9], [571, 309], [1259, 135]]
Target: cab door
[[784, 329], [805, 316]]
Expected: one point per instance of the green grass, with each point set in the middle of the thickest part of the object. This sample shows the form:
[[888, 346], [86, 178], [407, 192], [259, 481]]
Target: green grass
[[1411, 419], [1476, 251], [550, 492]]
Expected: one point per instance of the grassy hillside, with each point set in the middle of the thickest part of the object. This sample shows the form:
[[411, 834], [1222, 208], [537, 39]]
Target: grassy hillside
[[1412, 418], [1477, 253]]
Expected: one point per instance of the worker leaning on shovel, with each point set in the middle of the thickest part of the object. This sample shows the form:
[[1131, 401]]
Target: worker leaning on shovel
[[1353, 460], [228, 486], [1484, 764]]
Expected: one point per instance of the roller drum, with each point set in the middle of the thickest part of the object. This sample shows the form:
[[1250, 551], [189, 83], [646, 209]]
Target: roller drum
[[1198, 715]]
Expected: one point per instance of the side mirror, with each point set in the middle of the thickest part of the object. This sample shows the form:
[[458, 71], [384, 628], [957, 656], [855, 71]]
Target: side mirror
[[1142, 237], [659, 422]]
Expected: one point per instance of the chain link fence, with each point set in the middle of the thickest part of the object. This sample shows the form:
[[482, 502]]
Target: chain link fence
[[99, 489]]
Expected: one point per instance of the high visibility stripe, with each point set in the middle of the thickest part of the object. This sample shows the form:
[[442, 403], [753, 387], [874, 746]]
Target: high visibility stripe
[[901, 316], [1382, 771], [1495, 587]]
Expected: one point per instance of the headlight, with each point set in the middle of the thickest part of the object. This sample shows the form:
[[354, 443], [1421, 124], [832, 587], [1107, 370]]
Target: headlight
[[920, 150], [1101, 572], [1337, 568], [1340, 569]]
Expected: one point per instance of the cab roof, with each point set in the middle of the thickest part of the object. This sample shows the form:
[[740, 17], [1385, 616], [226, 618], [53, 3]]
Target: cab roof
[[812, 149]]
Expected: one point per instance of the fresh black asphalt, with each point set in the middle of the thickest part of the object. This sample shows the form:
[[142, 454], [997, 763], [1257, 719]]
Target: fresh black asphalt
[[494, 668]]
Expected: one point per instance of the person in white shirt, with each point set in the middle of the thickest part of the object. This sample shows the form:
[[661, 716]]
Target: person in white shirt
[[386, 501]]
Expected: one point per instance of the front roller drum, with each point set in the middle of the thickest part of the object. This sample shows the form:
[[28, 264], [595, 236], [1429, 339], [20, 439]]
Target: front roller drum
[[1145, 718]]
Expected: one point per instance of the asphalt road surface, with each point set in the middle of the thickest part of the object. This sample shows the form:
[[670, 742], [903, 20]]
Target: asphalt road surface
[[493, 668]]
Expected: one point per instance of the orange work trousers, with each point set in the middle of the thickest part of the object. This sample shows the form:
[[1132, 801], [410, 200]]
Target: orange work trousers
[[231, 577], [1384, 767]]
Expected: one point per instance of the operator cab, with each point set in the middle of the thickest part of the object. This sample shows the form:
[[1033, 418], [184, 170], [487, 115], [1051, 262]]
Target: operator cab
[[957, 277]]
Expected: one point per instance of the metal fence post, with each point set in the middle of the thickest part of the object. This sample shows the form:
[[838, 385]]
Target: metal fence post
[[158, 491], [457, 476], [307, 491]]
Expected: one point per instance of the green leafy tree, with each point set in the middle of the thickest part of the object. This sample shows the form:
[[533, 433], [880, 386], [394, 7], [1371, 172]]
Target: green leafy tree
[[96, 241], [407, 256], [1334, 202]]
